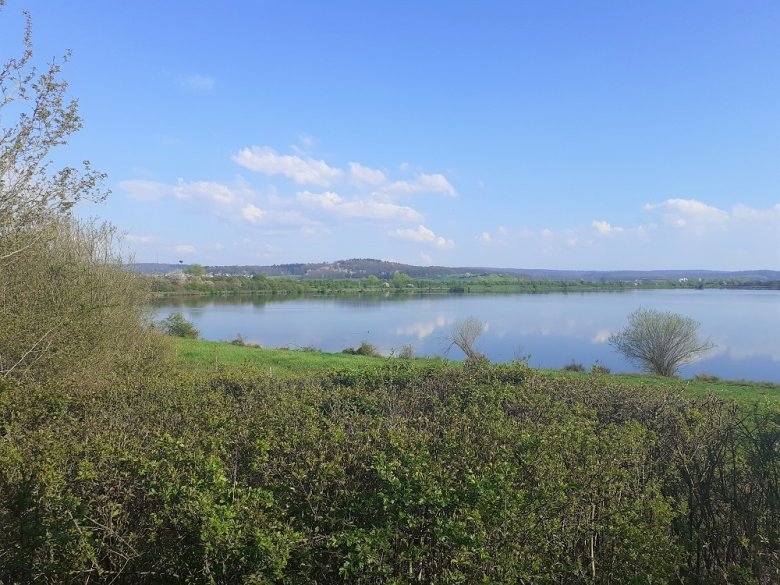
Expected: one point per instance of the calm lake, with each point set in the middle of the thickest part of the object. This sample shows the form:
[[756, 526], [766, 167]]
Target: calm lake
[[554, 329]]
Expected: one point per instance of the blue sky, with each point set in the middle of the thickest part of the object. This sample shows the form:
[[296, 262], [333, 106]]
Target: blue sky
[[580, 135]]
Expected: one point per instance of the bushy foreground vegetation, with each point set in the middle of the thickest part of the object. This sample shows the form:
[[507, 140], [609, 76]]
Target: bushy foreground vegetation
[[118, 465], [403, 473]]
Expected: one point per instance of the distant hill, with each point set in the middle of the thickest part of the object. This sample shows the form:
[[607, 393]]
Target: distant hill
[[364, 267]]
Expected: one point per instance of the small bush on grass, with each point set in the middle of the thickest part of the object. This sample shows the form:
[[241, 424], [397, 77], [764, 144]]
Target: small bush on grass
[[368, 349], [176, 325], [573, 367], [407, 352]]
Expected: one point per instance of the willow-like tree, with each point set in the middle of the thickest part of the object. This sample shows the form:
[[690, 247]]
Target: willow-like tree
[[660, 342], [464, 335]]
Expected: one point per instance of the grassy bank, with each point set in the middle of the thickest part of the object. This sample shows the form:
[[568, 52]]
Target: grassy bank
[[207, 355]]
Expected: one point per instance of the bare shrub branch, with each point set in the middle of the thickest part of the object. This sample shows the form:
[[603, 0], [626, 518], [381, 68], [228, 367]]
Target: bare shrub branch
[[464, 335]]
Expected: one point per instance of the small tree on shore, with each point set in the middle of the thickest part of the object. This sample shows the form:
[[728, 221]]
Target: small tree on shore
[[464, 335], [660, 342], [176, 325]]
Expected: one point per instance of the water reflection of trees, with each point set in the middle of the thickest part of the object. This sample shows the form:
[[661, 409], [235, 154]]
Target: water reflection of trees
[[356, 301]]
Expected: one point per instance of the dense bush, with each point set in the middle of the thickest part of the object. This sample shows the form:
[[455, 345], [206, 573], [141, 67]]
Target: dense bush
[[573, 367], [365, 348], [176, 325], [402, 474], [69, 308]]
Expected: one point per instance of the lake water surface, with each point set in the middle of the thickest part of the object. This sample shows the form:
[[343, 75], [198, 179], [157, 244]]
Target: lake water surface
[[553, 328]]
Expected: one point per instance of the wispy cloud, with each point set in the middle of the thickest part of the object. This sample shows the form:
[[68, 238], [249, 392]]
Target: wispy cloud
[[266, 160], [759, 216], [144, 190], [423, 183], [366, 175], [185, 249], [304, 169], [423, 235], [688, 213], [605, 229], [252, 213], [197, 82], [366, 208]]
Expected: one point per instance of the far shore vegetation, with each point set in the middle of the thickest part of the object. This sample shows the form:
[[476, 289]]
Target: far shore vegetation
[[195, 281]]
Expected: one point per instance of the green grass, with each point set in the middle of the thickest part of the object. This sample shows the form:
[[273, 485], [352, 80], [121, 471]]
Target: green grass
[[740, 390], [207, 355]]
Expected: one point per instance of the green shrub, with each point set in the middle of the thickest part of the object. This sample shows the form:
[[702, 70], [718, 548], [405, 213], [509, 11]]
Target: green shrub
[[573, 367], [176, 325], [441, 473], [365, 348], [70, 308]]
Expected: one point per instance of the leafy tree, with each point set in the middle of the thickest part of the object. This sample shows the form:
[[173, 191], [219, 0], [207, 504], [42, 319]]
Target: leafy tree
[[400, 280], [195, 270], [660, 342]]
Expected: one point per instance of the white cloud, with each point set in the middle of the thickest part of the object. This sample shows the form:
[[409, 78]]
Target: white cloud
[[683, 213], [197, 82], [290, 217], [358, 208], [301, 170], [485, 238], [366, 175], [426, 258], [305, 144], [144, 190], [744, 213], [208, 190], [185, 249], [232, 202], [252, 213], [422, 235], [424, 183], [603, 228]]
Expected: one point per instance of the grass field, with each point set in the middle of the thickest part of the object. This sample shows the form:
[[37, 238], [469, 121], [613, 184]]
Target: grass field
[[207, 355]]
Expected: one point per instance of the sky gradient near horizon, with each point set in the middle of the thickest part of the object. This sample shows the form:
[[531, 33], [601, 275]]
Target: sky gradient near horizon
[[567, 135]]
